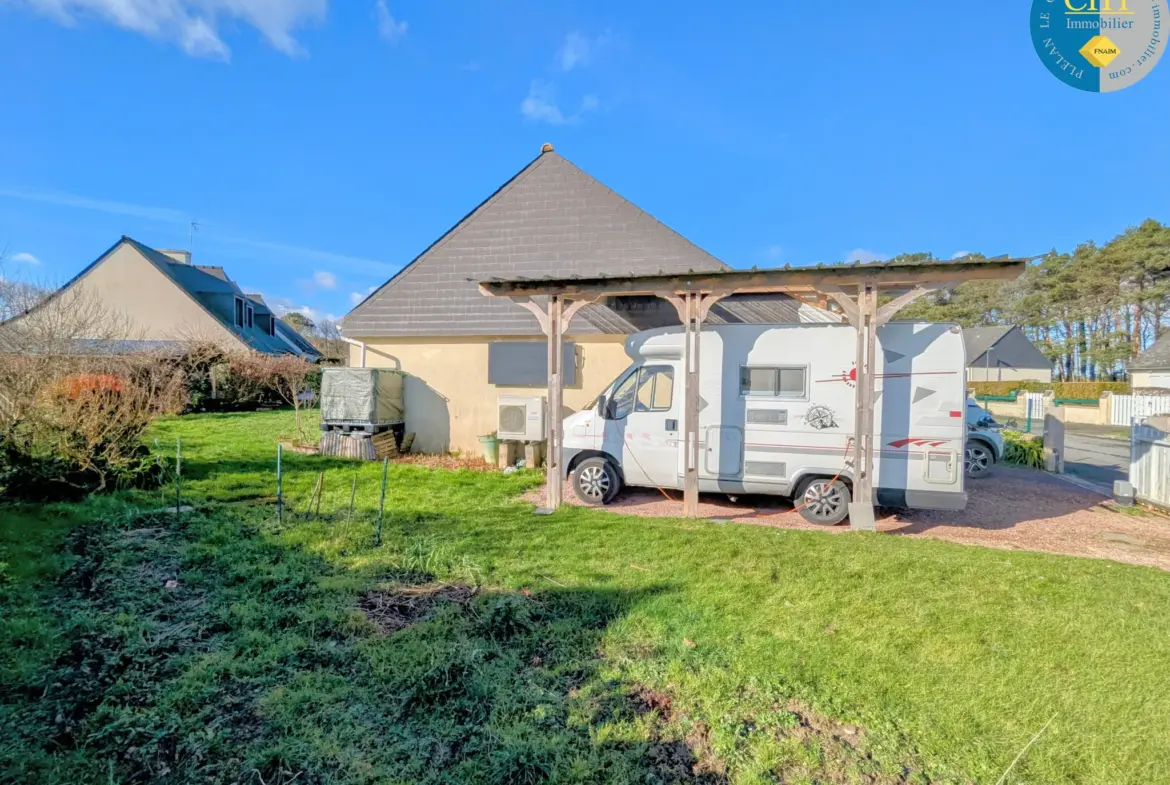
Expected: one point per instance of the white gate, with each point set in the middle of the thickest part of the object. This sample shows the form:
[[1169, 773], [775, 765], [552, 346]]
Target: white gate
[[1149, 464], [1034, 403], [1128, 407]]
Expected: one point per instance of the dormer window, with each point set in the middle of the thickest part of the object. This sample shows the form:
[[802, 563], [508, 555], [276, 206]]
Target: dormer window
[[251, 317], [239, 315]]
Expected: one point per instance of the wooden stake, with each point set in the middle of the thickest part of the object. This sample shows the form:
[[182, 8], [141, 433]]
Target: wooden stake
[[382, 503], [320, 493], [312, 497], [352, 496]]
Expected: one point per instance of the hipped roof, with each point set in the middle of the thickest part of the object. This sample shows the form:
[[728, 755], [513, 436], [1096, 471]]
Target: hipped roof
[[550, 218]]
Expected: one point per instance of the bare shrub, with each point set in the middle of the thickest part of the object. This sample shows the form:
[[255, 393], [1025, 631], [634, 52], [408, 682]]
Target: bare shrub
[[286, 375], [73, 411], [77, 423]]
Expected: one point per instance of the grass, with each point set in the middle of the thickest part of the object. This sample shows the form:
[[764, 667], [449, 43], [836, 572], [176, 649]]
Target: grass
[[594, 648]]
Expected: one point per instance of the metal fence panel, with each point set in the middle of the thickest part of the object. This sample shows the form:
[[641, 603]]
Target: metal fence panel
[[1034, 402], [1149, 464], [1126, 408]]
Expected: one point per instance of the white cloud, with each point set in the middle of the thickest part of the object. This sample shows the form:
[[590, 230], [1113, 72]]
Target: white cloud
[[961, 254], [579, 49], [24, 258], [353, 262], [388, 27], [865, 255], [283, 306], [161, 214], [356, 297], [325, 279], [574, 51], [590, 103], [774, 252], [541, 104], [193, 24], [170, 216]]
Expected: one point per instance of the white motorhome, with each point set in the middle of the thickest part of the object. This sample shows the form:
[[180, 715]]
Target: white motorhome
[[776, 416]]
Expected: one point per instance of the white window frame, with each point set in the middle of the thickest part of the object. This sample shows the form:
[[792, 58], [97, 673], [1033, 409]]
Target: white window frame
[[249, 316], [776, 395], [238, 312]]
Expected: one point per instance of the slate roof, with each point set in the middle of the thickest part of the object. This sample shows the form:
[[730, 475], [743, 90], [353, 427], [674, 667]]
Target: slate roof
[[550, 218], [1154, 358], [978, 340], [211, 269], [1010, 348], [216, 294]]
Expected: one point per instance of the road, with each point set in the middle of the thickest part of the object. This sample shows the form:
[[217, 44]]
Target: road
[[1096, 459]]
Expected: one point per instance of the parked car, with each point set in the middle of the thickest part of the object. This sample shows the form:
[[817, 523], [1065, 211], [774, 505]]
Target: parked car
[[985, 443]]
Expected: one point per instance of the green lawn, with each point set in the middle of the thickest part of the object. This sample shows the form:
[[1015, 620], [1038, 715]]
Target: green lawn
[[595, 647]]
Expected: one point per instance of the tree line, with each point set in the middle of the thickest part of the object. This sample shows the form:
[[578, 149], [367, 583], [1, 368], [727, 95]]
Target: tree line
[[1089, 311]]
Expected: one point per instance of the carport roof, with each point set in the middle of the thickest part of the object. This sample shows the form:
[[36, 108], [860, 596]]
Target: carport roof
[[790, 280]]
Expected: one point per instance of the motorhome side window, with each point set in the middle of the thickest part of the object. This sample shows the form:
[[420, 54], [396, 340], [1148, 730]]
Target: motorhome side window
[[648, 389], [774, 382]]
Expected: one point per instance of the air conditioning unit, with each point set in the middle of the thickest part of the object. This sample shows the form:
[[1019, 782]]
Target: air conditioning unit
[[520, 418]]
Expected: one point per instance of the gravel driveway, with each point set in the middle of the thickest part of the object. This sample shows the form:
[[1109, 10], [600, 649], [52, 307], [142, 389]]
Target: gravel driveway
[[1014, 509]]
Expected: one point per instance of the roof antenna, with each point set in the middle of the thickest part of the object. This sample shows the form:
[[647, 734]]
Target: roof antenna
[[191, 238]]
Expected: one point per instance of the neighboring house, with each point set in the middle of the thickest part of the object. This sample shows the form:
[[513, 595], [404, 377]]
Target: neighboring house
[[462, 350], [150, 299], [1004, 354], [1151, 368]]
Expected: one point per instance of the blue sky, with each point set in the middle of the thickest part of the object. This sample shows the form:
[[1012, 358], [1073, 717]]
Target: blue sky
[[322, 145]]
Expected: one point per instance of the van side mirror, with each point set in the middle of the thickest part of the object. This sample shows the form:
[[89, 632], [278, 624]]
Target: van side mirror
[[602, 407]]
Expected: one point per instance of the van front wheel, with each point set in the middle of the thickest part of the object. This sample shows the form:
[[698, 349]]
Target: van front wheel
[[596, 481], [823, 501]]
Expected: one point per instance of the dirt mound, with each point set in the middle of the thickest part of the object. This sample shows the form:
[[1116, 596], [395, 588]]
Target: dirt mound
[[391, 610]]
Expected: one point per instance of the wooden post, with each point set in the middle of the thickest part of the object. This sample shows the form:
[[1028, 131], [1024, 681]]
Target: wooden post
[[691, 432], [279, 493], [861, 515], [556, 319]]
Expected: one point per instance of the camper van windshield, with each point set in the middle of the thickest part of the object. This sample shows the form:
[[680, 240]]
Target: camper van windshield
[[609, 387]]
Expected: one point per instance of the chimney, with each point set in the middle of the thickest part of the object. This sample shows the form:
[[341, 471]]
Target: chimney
[[181, 257]]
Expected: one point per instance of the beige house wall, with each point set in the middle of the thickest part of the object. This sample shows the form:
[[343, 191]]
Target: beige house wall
[[135, 301], [994, 374], [449, 403], [1141, 379]]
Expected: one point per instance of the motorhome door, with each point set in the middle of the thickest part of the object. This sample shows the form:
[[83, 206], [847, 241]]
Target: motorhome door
[[644, 410]]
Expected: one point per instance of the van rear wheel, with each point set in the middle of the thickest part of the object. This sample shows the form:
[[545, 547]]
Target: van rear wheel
[[596, 481], [823, 501]]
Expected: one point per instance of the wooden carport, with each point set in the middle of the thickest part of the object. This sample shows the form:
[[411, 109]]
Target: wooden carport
[[854, 288]]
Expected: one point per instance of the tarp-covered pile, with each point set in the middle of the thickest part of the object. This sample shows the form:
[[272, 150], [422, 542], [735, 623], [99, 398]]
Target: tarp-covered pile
[[361, 395]]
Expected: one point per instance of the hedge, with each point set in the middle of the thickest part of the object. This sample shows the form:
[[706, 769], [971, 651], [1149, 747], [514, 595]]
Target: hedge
[[1077, 390]]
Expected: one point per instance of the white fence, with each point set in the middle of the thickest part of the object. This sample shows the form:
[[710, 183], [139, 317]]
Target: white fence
[[1034, 403], [1149, 464], [1128, 407]]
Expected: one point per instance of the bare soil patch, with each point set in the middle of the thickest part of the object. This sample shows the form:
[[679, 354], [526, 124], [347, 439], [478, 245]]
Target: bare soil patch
[[453, 462], [1014, 509], [391, 610]]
